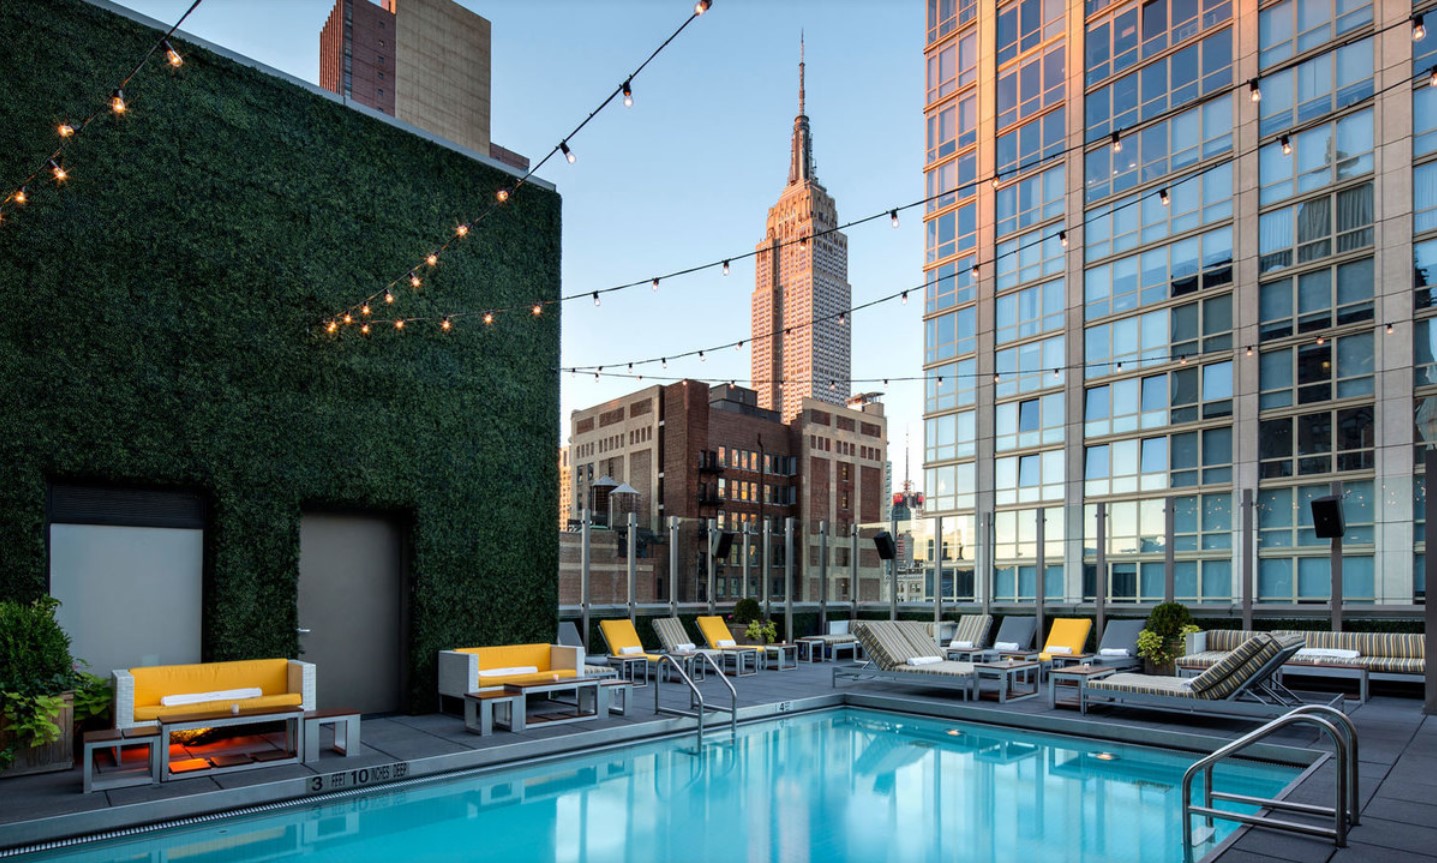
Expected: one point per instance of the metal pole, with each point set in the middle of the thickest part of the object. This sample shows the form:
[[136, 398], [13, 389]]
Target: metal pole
[[1249, 557], [1429, 566], [985, 561], [823, 576], [893, 572], [1335, 599], [633, 549], [1040, 592], [585, 586], [710, 591], [744, 561], [788, 578], [1169, 551], [764, 570], [674, 565], [938, 556], [852, 571], [1100, 581]]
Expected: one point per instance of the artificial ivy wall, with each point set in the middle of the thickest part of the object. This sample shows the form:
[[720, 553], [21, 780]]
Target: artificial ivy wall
[[161, 327]]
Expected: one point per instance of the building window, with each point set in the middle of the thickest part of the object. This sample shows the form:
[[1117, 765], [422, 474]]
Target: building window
[[1031, 86], [953, 127], [944, 16], [952, 181], [950, 284], [1029, 423], [955, 65], [1041, 363], [1424, 198], [1308, 231], [1158, 463], [1292, 27], [1127, 223], [1029, 145], [1315, 87], [1160, 149], [1023, 26], [1157, 275], [949, 335], [1320, 157], [1327, 441], [1166, 334], [1172, 398], [1028, 478], [1307, 373], [1424, 273], [953, 232], [1114, 42], [1031, 200], [1031, 311], [1175, 80], [1315, 301], [1424, 120], [950, 436]]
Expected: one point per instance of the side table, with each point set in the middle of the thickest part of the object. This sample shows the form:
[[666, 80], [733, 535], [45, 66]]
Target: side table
[[1078, 676], [774, 655], [1007, 673]]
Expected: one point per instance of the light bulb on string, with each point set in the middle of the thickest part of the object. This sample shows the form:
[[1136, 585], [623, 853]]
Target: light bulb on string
[[893, 217], [502, 195], [1117, 141], [596, 377], [738, 346], [1182, 359], [1321, 341], [628, 94], [702, 6], [1063, 239], [58, 171], [364, 310], [996, 377], [364, 329], [537, 310], [1249, 350], [432, 260], [1432, 77], [462, 230], [20, 196], [446, 325], [414, 280], [1419, 29], [568, 154], [976, 271], [348, 319], [842, 318], [832, 386], [596, 298], [904, 298], [172, 56], [702, 358], [1286, 144], [1056, 374], [654, 285], [117, 102], [664, 361], [725, 268], [388, 296], [1389, 329], [331, 326], [488, 318], [399, 323], [66, 130], [1254, 92], [1163, 197]]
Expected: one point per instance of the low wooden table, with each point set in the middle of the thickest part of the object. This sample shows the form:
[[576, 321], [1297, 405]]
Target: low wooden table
[[775, 653], [479, 707], [1007, 672], [293, 719], [346, 732], [1079, 676], [121, 775]]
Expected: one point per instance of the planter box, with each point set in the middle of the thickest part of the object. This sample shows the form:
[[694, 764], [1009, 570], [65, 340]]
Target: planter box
[[59, 755]]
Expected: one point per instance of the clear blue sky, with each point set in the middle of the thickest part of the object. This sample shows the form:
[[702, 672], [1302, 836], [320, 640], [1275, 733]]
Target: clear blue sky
[[687, 174]]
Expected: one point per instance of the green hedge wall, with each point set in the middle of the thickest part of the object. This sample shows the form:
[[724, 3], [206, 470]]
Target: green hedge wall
[[161, 329]]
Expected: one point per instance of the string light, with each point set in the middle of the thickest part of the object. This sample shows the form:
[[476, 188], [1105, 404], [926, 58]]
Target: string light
[[1063, 239], [66, 130], [975, 270], [702, 6], [446, 325], [20, 196], [389, 297], [1254, 92], [1163, 196], [1117, 140], [172, 56], [702, 358], [488, 318], [893, 217], [462, 230], [725, 268], [1057, 374], [331, 326], [654, 285], [117, 102], [628, 94], [399, 323], [568, 154], [1321, 341], [1419, 29], [364, 310], [1432, 77], [738, 346], [842, 317], [1286, 143], [1389, 329], [832, 386], [596, 298], [58, 172], [1249, 350], [432, 260], [348, 319], [364, 329], [905, 298], [414, 280], [502, 195], [537, 310]]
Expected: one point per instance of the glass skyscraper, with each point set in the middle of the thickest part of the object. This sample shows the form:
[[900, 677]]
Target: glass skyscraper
[[1178, 257]]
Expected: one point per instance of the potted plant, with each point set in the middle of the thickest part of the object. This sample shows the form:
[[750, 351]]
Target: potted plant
[[745, 611], [761, 631], [38, 679], [1161, 641]]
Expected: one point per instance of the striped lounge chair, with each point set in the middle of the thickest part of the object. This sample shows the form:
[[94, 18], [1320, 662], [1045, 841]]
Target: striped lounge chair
[[971, 637], [903, 652], [1240, 684]]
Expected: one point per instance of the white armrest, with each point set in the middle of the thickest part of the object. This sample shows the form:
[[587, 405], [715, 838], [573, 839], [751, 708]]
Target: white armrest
[[458, 673], [1195, 642], [302, 679], [564, 657], [124, 698]]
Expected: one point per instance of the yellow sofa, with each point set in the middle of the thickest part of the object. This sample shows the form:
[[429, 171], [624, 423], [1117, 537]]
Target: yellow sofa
[[471, 669], [282, 682]]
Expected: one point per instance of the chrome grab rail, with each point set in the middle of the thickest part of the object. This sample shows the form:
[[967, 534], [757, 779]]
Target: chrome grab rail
[[696, 697], [1344, 812]]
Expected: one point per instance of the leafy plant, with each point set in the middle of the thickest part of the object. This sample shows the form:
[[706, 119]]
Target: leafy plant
[[93, 697], [30, 720], [762, 631], [35, 669], [747, 610], [1161, 641]]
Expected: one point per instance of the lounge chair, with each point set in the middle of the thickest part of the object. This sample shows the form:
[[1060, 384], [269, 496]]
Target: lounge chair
[[676, 642], [1240, 684], [569, 637], [740, 656], [838, 638], [892, 648], [1066, 640], [1119, 645], [1017, 631], [625, 647], [971, 637]]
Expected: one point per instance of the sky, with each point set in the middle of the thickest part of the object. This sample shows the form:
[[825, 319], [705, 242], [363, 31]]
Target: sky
[[685, 176]]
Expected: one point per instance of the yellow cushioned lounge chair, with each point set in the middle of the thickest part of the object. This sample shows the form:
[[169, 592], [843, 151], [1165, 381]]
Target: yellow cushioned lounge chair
[[1070, 633], [623, 642], [716, 633]]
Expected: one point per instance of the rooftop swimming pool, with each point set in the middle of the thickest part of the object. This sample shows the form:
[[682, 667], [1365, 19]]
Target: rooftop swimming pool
[[834, 786]]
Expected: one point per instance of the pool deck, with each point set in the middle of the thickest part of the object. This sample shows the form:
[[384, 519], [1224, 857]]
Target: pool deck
[[1398, 761]]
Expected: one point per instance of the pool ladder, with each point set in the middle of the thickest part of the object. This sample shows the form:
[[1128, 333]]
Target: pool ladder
[[1344, 812], [697, 708]]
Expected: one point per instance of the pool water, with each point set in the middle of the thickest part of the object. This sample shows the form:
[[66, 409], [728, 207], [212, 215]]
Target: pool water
[[841, 785]]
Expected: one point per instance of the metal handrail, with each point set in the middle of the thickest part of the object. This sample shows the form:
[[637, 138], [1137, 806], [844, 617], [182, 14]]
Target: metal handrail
[[696, 697], [1344, 811]]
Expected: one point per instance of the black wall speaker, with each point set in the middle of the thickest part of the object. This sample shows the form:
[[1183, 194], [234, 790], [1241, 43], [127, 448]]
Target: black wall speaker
[[722, 543], [1327, 517], [883, 541]]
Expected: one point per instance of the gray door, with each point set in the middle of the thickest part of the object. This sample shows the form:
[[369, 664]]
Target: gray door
[[351, 610]]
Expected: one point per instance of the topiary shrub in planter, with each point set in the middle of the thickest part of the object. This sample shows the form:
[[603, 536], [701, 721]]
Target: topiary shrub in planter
[[37, 679], [1161, 641]]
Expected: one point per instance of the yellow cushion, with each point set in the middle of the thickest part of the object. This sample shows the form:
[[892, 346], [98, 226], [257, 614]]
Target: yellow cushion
[[714, 630], [512, 655], [154, 711], [1070, 632], [533, 677], [619, 634], [154, 682]]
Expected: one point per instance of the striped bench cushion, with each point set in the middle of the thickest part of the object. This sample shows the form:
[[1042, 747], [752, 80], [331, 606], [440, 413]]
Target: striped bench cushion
[[947, 668], [1144, 684], [973, 628], [884, 643], [919, 636], [832, 638], [1233, 670], [1227, 639], [1205, 659], [670, 631]]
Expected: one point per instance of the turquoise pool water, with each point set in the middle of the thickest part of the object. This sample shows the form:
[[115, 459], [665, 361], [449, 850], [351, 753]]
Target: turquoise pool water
[[843, 785]]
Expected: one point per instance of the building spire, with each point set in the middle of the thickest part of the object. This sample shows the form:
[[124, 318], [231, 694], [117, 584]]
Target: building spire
[[800, 167]]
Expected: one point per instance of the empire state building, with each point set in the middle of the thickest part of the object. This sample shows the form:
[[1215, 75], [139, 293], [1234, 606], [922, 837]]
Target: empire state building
[[801, 348]]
